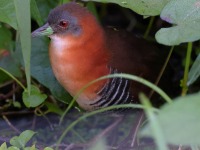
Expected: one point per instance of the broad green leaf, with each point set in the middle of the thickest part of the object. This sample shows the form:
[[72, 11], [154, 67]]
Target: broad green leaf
[[35, 98], [35, 13], [194, 72], [3, 146], [11, 76], [7, 13], [142, 7], [5, 38], [91, 7], [45, 7], [24, 28], [13, 148], [185, 17], [25, 136], [21, 140], [180, 121], [4, 77], [8, 63]]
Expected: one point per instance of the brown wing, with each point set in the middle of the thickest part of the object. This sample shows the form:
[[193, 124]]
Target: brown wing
[[134, 56]]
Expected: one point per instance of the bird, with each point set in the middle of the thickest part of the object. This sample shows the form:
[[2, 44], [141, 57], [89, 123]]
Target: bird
[[82, 50]]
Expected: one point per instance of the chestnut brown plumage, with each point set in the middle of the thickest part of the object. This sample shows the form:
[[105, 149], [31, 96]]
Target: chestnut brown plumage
[[81, 51]]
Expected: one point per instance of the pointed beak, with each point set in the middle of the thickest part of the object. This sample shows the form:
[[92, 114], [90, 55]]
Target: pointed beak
[[45, 30]]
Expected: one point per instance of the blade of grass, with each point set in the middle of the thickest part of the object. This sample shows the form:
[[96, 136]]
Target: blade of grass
[[24, 28], [186, 71], [36, 13], [10, 75], [96, 112], [121, 75], [91, 7], [154, 123], [162, 70], [149, 27]]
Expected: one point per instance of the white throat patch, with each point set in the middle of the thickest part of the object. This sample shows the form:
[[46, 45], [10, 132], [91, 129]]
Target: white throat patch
[[59, 43]]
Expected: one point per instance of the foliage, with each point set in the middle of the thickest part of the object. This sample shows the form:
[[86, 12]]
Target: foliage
[[175, 123], [19, 142], [181, 119], [142, 7]]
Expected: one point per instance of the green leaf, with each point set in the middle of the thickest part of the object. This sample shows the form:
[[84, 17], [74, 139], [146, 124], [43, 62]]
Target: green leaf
[[194, 72], [53, 108], [3, 146], [7, 14], [9, 64], [21, 140], [24, 27], [142, 7], [3, 76], [11, 76], [185, 16], [15, 142], [154, 123], [16, 104], [35, 98], [31, 148], [48, 148], [45, 6], [5, 38], [35, 13], [91, 7], [13, 148], [180, 121]]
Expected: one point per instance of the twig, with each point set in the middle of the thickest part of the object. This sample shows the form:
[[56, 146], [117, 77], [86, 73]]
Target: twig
[[11, 125], [149, 27], [6, 83], [16, 113], [162, 70]]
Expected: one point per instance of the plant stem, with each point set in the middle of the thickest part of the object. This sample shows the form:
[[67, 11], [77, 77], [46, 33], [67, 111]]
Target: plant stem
[[162, 70], [10, 75], [149, 27], [187, 65], [23, 16], [121, 75], [154, 123], [69, 127]]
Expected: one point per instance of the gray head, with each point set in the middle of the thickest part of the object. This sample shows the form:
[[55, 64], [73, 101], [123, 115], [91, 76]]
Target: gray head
[[66, 19]]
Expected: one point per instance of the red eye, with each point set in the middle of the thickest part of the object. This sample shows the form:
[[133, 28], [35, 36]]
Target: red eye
[[63, 24]]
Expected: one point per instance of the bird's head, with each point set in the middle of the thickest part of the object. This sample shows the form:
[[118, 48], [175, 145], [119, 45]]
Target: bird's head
[[68, 20]]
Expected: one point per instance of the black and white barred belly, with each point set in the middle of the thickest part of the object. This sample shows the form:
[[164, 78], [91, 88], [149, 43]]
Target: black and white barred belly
[[115, 91]]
